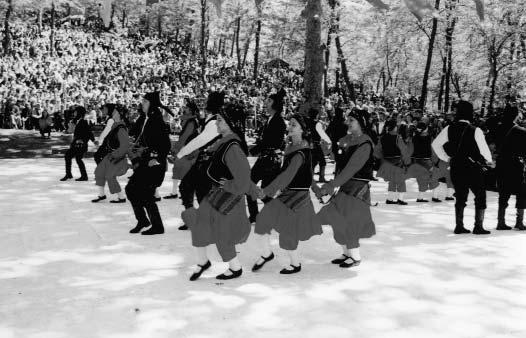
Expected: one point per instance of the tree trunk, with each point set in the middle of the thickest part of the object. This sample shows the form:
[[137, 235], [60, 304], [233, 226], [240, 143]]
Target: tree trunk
[[159, 23], [40, 14], [247, 44], [423, 95], [451, 21], [313, 77], [442, 80], [484, 98], [52, 34], [341, 58], [233, 42], [494, 76], [124, 17], [203, 39], [238, 50], [258, 36], [330, 31], [7, 29]]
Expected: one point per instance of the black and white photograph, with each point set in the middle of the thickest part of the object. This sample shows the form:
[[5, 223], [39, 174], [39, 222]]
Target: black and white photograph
[[262, 168]]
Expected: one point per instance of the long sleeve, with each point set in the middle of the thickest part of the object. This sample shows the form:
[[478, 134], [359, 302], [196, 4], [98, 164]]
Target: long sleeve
[[208, 134], [356, 162], [237, 163], [321, 132], [124, 144], [438, 145], [106, 130], [284, 179], [483, 145]]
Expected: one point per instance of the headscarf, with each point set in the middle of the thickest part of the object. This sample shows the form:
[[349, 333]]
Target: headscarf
[[235, 116]]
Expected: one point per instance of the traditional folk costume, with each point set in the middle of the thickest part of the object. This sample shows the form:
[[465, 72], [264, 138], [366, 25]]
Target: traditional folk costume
[[442, 173], [78, 148], [114, 164], [348, 212], [422, 166], [465, 147], [189, 131], [221, 218], [511, 169], [196, 181], [291, 213], [318, 134], [269, 148], [393, 152], [148, 156]]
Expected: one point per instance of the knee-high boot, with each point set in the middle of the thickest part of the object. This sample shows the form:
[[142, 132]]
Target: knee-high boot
[[479, 222], [519, 225], [459, 220], [501, 225]]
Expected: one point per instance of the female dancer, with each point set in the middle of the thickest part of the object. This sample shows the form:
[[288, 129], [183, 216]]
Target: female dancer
[[291, 213], [349, 211], [189, 131], [422, 166], [221, 217], [115, 147], [392, 151]]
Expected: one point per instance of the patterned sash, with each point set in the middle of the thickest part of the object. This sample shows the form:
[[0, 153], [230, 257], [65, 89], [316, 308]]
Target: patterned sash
[[294, 199], [222, 201]]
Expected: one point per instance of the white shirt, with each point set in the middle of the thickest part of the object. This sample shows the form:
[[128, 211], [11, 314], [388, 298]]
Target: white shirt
[[442, 138], [106, 130], [321, 132], [207, 135]]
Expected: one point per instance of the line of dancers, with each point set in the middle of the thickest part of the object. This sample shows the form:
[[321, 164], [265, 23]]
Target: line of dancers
[[211, 165]]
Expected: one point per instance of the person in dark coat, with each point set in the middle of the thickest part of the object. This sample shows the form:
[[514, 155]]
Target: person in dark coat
[[511, 167], [464, 147], [78, 148], [148, 156], [269, 148]]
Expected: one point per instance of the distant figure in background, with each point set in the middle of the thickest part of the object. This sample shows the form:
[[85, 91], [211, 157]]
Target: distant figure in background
[[82, 134]]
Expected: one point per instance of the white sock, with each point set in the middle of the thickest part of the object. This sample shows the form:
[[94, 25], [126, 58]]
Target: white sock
[[121, 195], [157, 195], [400, 196], [345, 251], [234, 264], [294, 259], [390, 195], [355, 254], [175, 187], [202, 257], [264, 241], [420, 195], [450, 192], [436, 191], [101, 191]]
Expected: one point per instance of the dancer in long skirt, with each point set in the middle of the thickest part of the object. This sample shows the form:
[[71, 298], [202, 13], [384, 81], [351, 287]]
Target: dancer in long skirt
[[190, 130], [348, 212], [114, 149], [291, 213], [221, 218], [269, 147], [422, 163], [196, 181], [393, 152]]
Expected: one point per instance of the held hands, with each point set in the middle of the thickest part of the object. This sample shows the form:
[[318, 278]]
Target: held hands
[[327, 189]]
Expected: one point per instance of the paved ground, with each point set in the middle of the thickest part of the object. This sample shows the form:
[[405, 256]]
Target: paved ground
[[69, 268]]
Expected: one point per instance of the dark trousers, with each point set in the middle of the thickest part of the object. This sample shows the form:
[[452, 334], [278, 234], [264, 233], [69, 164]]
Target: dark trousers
[[78, 155], [466, 178], [504, 197], [318, 158], [265, 170], [194, 182], [141, 194]]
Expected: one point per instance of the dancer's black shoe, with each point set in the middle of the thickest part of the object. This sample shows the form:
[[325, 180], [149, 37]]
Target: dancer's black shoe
[[421, 200], [119, 200], [450, 198], [171, 197], [65, 178], [157, 199], [183, 227], [139, 227], [235, 274], [340, 260], [202, 268], [350, 264], [400, 202], [153, 231], [98, 199], [295, 269], [257, 266], [391, 202], [436, 200]]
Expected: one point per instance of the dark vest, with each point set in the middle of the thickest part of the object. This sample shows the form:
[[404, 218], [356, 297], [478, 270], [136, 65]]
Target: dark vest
[[195, 132], [466, 145], [217, 169], [366, 172], [303, 178], [112, 140], [422, 147], [389, 146]]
